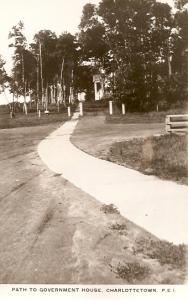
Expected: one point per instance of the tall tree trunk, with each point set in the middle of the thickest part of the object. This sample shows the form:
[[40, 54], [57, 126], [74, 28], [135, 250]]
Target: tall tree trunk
[[169, 59], [62, 68], [51, 94], [24, 84], [46, 100], [54, 98], [58, 95], [62, 82], [6, 98], [37, 83], [12, 107], [30, 100], [41, 72], [71, 88]]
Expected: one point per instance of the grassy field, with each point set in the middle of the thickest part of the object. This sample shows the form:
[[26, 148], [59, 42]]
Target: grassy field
[[95, 136], [136, 118], [31, 119]]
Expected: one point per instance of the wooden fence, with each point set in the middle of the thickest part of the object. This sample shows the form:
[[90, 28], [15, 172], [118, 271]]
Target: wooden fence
[[176, 123]]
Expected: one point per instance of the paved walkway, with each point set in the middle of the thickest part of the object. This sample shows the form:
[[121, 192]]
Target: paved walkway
[[158, 206]]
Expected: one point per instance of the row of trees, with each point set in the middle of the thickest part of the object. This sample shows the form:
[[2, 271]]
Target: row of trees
[[139, 47], [45, 68], [49, 70]]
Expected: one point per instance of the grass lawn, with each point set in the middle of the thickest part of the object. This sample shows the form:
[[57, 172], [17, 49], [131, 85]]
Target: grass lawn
[[95, 136], [31, 119], [136, 118], [164, 156]]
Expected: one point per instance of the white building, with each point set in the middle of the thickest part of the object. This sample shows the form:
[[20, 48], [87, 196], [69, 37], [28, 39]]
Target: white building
[[98, 87]]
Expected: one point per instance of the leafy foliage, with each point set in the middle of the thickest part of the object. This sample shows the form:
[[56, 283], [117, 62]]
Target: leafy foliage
[[145, 58], [109, 209], [3, 74]]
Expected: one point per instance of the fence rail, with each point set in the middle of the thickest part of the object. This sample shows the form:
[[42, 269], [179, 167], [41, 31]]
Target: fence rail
[[176, 123]]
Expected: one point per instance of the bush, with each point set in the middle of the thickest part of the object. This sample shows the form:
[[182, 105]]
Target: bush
[[109, 209], [132, 272], [118, 227]]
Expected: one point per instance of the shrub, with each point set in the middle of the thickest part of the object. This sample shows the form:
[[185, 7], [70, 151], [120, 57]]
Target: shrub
[[109, 209], [118, 226], [131, 271]]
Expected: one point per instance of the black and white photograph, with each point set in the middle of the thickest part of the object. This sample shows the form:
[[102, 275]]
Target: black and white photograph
[[93, 149]]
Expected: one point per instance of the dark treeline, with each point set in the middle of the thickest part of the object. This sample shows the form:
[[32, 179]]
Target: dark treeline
[[140, 47]]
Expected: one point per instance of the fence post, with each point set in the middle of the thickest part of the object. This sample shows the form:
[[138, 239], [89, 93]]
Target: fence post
[[167, 124], [81, 108], [69, 111], [110, 108], [123, 108]]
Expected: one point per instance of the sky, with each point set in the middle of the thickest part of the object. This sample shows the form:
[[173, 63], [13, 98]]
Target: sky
[[56, 15]]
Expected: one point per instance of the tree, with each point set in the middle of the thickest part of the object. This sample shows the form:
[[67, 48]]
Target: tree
[[91, 36], [58, 57], [4, 79], [140, 58], [20, 52], [67, 56], [179, 4], [3, 74], [180, 56], [141, 51], [43, 49]]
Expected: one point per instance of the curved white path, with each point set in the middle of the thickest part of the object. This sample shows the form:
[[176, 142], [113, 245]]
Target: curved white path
[[160, 207]]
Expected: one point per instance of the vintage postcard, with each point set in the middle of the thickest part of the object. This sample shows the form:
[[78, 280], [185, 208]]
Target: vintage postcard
[[93, 149]]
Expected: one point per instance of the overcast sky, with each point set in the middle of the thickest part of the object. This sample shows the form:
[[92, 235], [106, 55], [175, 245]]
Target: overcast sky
[[56, 15]]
